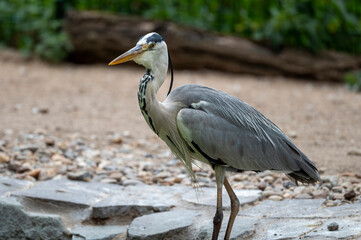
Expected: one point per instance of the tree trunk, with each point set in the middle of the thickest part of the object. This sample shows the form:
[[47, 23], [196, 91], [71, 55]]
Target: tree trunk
[[100, 37]]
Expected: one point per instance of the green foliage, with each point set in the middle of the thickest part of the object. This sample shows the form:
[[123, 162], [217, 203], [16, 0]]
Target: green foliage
[[353, 80], [311, 24], [30, 25]]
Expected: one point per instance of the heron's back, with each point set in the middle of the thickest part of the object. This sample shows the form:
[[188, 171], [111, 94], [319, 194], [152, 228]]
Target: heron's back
[[227, 129]]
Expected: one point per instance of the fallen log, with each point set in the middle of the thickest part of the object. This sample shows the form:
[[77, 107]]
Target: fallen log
[[100, 37]]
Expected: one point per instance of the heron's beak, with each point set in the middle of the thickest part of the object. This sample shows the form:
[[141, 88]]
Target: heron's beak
[[130, 55]]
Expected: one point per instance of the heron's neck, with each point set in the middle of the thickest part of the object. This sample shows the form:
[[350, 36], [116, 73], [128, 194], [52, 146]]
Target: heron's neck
[[148, 88]]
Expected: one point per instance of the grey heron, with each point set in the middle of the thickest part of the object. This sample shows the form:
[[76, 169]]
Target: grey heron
[[204, 124]]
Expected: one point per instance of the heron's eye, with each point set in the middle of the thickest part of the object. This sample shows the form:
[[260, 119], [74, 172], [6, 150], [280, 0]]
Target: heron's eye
[[152, 45]]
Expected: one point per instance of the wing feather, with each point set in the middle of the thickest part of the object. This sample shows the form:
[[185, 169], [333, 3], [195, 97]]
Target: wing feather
[[226, 128]]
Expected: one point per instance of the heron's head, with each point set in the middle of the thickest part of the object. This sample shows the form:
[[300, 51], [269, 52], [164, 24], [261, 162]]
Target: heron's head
[[149, 51]]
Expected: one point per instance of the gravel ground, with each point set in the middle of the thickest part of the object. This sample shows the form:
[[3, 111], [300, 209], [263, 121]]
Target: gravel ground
[[83, 123]]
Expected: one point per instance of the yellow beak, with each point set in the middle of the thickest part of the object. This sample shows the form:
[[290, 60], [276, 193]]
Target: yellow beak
[[129, 55]]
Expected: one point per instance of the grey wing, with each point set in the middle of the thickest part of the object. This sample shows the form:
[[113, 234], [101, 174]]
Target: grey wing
[[230, 131]]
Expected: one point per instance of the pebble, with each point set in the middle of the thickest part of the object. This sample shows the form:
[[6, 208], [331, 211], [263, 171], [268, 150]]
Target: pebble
[[37, 110], [116, 175], [108, 180], [32, 148], [34, 173], [268, 179], [275, 198], [117, 139], [321, 193], [287, 195], [271, 193], [350, 195], [337, 196], [261, 186], [131, 182], [304, 196], [288, 184], [4, 158], [49, 142], [299, 189], [337, 189], [80, 176], [332, 226], [354, 152]]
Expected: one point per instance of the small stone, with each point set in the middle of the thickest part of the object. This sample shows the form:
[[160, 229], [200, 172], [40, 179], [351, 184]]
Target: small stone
[[60, 158], [69, 153], [117, 139], [287, 195], [268, 193], [348, 174], [275, 198], [268, 179], [350, 195], [49, 142], [337, 196], [108, 180], [4, 158], [320, 193], [299, 189], [31, 148], [116, 175], [80, 176], [261, 186], [41, 110], [18, 167], [304, 196], [3, 143], [354, 152], [288, 184], [129, 182], [330, 203], [163, 174], [332, 226], [327, 185], [337, 189], [34, 173], [148, 155], [46, 174], [292, 134]]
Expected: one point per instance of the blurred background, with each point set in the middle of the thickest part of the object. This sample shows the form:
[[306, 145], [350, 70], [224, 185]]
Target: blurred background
[[64, 112]]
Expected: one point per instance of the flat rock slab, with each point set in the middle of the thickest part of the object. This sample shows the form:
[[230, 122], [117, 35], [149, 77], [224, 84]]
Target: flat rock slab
[[8, 185], [72, 193], [292, 229], [15, 223], [242, 228], [208, 196], [348, 228], [98, 232], [173, 225], [289, 208], [346, 210], [137, 201]]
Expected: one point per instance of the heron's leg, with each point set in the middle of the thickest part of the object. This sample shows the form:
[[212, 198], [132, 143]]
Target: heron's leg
[[217, 220], [234, 208]]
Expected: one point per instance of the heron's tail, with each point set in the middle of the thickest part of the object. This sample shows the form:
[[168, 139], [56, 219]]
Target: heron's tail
[[308, 172]]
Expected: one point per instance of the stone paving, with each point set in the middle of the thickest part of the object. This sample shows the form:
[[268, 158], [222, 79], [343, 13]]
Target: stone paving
[[64, 209]]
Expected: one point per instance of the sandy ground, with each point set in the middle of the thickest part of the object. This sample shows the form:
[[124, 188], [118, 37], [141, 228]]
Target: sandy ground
[[323, 119]]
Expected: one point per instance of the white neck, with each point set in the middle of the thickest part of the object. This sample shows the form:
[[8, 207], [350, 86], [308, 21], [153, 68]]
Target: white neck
[[149, 86]]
